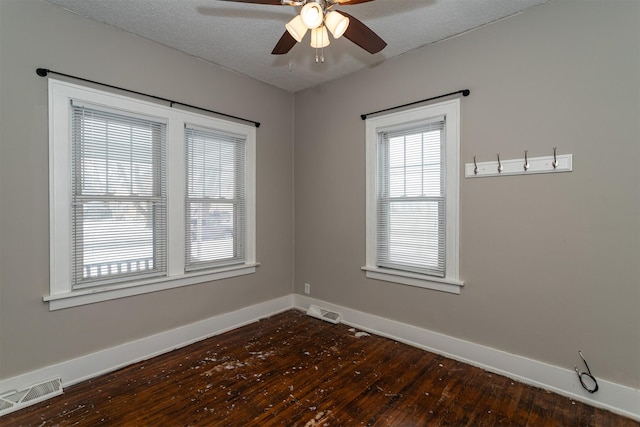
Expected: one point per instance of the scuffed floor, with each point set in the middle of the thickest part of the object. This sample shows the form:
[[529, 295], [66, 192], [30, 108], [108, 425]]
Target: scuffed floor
[[294, 370]]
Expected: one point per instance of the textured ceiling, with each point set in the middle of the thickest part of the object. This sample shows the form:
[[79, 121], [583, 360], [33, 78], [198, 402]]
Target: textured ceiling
[[240, 36]]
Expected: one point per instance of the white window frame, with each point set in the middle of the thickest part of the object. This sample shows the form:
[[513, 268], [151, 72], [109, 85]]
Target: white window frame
[[61, 293], [451, 110]]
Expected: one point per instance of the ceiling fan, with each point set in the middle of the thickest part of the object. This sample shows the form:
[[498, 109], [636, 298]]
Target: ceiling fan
[[319, 16]]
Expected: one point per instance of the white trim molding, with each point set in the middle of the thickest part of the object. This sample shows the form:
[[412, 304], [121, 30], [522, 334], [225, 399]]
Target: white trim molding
[[62, 292], [412, 279], [115, 291], [614, 397], [113, 358], [399, 120]]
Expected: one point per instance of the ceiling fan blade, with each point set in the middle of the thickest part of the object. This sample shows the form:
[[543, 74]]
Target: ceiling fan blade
[[273, 2], [349, 2], [363, 36], [284, 45]]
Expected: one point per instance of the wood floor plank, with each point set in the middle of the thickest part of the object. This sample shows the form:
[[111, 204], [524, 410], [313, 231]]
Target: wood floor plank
[[294, 370]]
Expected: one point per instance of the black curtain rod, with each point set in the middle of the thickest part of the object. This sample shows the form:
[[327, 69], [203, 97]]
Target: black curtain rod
[[42, 72], [464, 92]]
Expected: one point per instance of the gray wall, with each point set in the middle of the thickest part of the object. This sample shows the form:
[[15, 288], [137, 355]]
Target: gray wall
[[550, 262], [35, 34]]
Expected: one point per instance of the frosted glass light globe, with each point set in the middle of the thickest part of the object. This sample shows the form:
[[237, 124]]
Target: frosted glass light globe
[[312, 15]]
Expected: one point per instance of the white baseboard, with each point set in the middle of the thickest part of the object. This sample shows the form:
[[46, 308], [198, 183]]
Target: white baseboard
[[108, 360], [614, 397], [611, 396]]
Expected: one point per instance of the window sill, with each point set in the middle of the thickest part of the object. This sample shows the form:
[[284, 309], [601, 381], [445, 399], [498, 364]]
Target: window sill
[[105, 293], [413, 279]]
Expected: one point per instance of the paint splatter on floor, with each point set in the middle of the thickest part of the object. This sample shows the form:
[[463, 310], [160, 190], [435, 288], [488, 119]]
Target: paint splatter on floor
[[321, 418], [293, 370], [358, 334]]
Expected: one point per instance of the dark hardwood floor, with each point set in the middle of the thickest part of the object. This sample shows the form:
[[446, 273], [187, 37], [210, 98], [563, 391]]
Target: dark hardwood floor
[[294, 370]]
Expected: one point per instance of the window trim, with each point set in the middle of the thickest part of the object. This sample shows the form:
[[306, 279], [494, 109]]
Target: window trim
[[61, 293], [374, 125]]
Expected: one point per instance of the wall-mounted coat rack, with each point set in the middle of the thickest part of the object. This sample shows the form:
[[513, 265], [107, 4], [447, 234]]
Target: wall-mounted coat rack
[[525, 166]]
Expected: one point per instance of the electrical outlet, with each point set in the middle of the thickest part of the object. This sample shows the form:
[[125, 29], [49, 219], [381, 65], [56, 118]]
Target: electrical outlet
[[307, 288]]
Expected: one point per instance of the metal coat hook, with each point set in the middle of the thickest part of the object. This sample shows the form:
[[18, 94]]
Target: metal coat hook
[[592, 387], [529, 165]]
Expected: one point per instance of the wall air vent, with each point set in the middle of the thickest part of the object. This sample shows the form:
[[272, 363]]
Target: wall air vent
[[15, 400], [321, 313]]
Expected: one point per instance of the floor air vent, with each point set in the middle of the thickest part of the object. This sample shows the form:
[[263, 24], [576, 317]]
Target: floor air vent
[[321, 313], [15, 400]]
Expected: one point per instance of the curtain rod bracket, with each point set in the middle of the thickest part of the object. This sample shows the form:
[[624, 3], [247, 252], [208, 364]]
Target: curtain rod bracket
[[43, 72]]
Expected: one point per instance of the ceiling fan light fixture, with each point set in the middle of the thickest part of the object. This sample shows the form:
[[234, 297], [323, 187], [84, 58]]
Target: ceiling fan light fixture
[[337, 23], [312, 15], [319, 37], [296, 28], [320, 17]]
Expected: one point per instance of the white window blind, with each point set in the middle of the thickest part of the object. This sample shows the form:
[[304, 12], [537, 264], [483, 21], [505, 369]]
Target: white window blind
[[215, 211], [119, 223], [410, 205]]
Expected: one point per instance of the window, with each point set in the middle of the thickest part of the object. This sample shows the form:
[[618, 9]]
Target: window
[[412, 197], [144, 197], [215, 203], [118, 197]]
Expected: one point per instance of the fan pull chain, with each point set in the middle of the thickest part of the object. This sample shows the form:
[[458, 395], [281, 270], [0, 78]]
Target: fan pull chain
[[319, 45]]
